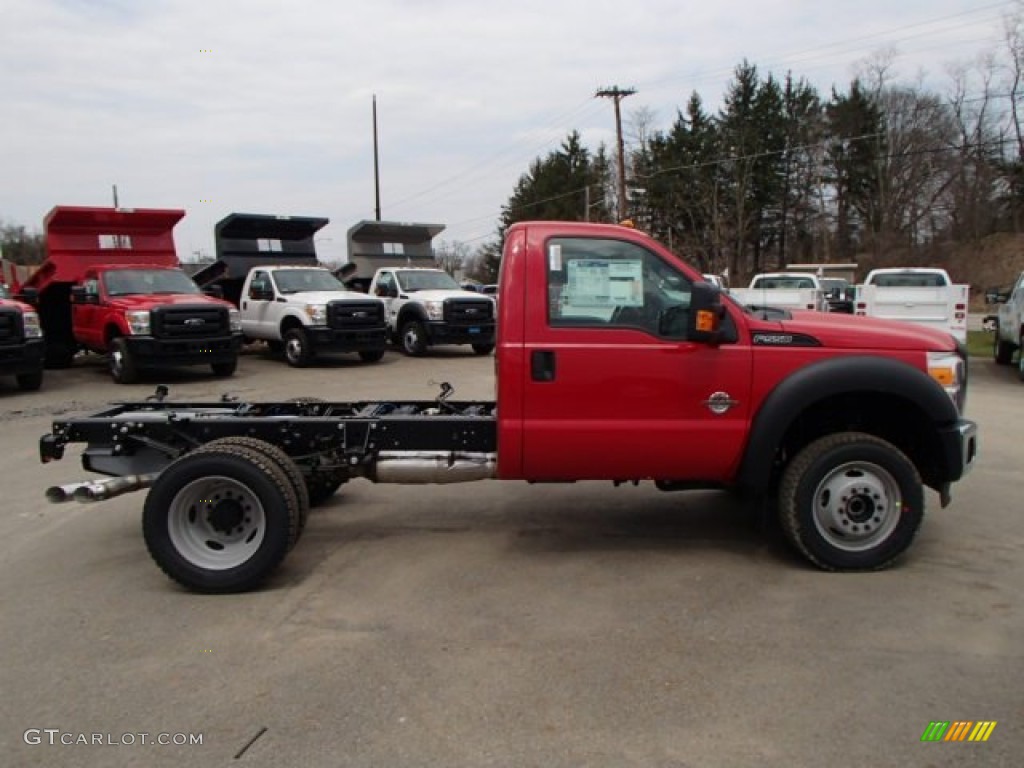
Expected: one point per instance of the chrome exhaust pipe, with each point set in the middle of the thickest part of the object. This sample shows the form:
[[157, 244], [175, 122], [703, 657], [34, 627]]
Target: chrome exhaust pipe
[[437, 467], [101, 490], [58, 494]]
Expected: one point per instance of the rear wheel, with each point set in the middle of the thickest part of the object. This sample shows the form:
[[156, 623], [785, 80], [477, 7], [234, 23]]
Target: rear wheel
[[414, 338], [851, 501], [220, 519], [29, 382], [122, 364], [371, 355], [296, 348]]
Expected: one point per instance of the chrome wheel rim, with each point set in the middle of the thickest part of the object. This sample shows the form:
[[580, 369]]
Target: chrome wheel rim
[[412, 339], [857, 506], [293, 349], [216, 523]]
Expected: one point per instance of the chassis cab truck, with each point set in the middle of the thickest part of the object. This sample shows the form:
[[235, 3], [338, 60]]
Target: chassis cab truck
[[615, 361], [268, 267], [111, 284]]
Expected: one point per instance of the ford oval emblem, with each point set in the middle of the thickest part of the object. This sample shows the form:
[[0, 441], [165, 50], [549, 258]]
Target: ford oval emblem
[[195, 321]]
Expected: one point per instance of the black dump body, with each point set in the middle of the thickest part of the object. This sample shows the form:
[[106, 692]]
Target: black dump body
[[247, 240]]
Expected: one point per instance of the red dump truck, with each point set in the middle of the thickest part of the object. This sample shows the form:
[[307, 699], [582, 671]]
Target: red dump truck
[[112, 284], [616, 361]]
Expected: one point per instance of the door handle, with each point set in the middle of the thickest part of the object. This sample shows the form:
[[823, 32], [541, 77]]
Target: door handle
[[542, 365]]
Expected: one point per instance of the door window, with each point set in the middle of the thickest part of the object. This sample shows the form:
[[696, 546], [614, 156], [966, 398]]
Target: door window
[[615, 284]]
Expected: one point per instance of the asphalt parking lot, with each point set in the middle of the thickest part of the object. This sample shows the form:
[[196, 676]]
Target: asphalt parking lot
[[502, 624]]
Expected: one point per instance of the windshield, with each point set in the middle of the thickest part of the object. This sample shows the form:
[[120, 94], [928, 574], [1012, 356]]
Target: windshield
[[122, 282], [300, 280], [426, 280]]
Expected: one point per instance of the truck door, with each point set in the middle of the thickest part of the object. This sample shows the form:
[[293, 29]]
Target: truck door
[[614, 390], [87, 316], [387, 290], [257, 315]]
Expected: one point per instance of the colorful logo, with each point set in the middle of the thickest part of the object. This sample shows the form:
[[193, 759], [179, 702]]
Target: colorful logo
[[958, 730]]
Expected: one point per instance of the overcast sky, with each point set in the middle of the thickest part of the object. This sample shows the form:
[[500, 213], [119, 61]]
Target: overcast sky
[[264, 106]]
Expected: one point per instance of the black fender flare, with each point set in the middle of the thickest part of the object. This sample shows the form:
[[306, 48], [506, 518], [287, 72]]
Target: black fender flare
[[409, 312], [825, 379]]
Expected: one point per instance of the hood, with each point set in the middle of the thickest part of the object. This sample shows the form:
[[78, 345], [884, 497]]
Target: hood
[[149, 301], [441, 295], [322, 297], [12, 304], [841, 331]]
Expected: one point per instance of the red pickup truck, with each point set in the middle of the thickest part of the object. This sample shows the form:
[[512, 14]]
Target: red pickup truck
[[111, 284], [21, 342], [615, 361]]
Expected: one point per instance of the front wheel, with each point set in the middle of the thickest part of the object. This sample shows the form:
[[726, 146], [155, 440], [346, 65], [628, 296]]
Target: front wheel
[[296, 348], [851, 501], [414, 338], [29, 382], [122, 364], [1002, 352], [483, 349], [225, 368], [371, 355]]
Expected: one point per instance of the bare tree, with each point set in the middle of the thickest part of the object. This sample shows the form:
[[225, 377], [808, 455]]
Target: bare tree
[[451, 256]]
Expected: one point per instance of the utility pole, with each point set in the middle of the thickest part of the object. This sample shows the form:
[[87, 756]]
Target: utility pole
[[376, 162], [618, 94]]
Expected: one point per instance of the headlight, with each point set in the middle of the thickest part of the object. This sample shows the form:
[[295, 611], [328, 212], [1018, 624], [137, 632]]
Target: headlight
[[138, 322], [435, 310], [950, 371], [234, 321], [317, 313], [32, 328]]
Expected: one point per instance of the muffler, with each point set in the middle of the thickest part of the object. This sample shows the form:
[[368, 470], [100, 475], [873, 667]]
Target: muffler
[[432, 467]]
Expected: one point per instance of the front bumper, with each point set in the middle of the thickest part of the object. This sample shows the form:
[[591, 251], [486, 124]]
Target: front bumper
[[959, 451], [150, 352], [26, 357], [440, 332], [326, 339]]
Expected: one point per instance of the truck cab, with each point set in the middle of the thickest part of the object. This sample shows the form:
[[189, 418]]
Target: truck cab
[[21, 342], [112, 284], [427, 307]]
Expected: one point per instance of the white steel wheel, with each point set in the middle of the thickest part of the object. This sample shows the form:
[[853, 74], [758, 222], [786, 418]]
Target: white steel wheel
[[216, 523], [857, 506]]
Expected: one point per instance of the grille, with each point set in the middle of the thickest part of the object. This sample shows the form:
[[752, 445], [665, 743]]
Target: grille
[[355, 314], [468, 311], [197, 322], [10, 326]]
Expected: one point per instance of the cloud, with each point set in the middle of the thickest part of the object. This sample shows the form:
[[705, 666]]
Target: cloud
[[265, 105]]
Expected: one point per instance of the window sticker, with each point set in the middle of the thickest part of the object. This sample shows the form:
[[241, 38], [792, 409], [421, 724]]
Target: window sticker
[[555, 258], [605, 283]]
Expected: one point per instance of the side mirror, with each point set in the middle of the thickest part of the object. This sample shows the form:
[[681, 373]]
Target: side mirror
[[79, 295], [28, 294], [995, 296], [261, 294], [214, 291], [704, 323]]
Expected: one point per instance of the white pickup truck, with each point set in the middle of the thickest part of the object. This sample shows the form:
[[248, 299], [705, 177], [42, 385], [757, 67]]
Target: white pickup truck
[[306, 312], [427, 307], [784, 290], [1009, 331], [926, 296]]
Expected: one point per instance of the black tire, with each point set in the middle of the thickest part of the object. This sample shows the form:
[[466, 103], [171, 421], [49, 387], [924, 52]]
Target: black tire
[[1002, 352], [851, 502], [220, 519], [371, 355], [225, 369], [58, 354], [280, 459], [297, 351], [276, 347], [413, 338], [122, 365], [483, 349], [29, 382]]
